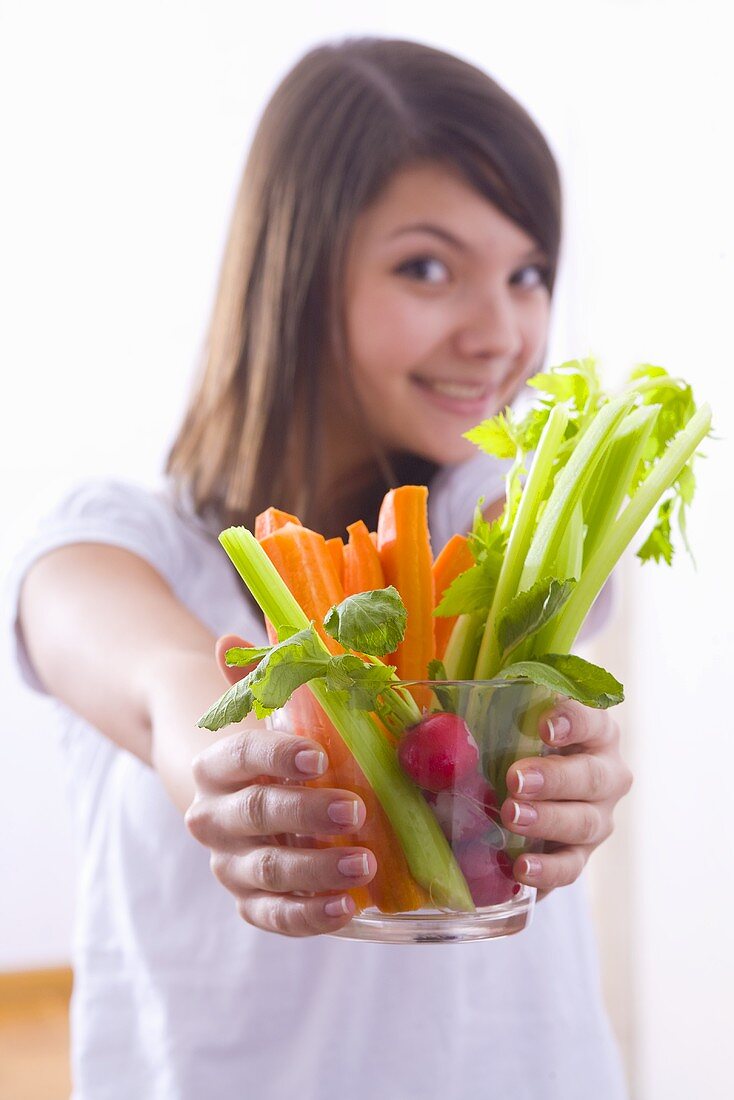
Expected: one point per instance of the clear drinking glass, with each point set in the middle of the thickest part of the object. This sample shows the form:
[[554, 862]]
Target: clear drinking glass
[[502, 719]]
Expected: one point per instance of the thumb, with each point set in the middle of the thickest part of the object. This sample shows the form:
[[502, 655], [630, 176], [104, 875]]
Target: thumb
[[227, 641]]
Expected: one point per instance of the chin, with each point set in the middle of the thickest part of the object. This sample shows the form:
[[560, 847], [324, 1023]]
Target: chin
[[446, 452]]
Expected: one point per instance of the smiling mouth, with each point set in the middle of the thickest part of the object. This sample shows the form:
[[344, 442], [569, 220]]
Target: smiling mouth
[[456, 391]]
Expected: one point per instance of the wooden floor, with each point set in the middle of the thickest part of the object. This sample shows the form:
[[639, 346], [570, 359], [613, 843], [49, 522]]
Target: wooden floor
[[34, 1035]]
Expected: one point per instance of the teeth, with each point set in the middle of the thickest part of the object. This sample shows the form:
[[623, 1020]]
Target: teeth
[[460, 390]]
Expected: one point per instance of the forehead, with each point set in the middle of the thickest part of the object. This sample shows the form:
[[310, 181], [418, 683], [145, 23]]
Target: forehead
[[439, 194]]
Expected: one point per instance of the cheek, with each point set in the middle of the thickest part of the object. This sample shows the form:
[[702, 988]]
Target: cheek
[[389, 335]]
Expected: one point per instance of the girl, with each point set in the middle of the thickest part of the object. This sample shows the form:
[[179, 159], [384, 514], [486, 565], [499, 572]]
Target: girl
[[386, 285]]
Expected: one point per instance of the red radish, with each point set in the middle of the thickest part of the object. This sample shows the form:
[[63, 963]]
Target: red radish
[[477, 788], [488, 873], [438, 751], [467, 811]]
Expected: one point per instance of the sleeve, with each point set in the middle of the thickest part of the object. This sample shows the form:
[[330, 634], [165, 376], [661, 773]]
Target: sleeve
[[106, 511]]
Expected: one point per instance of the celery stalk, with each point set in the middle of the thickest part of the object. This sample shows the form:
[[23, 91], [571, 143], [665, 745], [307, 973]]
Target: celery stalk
[[623, 530], [520, 537], [427, 851], [610, 484], [569, 488]]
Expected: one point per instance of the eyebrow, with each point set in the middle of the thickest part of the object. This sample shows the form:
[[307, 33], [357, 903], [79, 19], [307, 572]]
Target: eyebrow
[[449, 238]]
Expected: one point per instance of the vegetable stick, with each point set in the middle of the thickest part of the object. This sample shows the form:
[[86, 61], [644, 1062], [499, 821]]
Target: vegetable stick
[[404, 545], [336, 549], [271, 520], [455, 558], [362, 565], [304, 562]]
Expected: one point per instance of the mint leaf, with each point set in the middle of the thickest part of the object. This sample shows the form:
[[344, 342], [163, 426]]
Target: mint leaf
[[361, 683], [472, 590], [571, 676], [370, 622], [530, 610], [239, 657]]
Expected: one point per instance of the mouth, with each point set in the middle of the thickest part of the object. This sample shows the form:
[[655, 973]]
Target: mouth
[[462, 398]]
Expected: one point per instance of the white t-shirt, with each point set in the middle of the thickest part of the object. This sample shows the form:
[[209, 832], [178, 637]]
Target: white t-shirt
[[176, 998]]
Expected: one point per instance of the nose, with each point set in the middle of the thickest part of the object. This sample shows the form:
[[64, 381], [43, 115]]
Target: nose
[[490, 327]]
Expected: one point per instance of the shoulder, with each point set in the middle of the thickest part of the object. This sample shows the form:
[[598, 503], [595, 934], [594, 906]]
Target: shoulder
[[454, 493]]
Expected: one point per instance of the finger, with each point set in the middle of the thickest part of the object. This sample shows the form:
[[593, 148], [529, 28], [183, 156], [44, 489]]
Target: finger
[[229, 763], [227, 822], [551, 869], [296, 916], [584, 776], [283, 870], [571, 723], [566, 822], [228, 641]]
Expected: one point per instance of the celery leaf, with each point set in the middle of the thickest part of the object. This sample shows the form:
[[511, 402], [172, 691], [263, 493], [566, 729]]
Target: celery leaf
[[472, 590], [369, 622], [530, 610]]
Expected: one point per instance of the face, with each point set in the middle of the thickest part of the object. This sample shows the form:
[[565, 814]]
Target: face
[[447, 312]]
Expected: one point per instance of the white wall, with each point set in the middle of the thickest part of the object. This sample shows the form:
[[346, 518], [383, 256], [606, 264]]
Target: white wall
[[127, 132]]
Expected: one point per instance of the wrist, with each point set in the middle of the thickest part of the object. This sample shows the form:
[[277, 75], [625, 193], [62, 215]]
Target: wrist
[[179, 687]]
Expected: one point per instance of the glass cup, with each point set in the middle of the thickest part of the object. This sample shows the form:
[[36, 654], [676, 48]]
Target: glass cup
[[444, 866]]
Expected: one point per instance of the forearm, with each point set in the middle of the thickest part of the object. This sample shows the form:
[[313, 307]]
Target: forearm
[[180, 687]]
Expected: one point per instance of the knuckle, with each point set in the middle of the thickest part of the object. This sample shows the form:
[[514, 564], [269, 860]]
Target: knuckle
[[241, 748], [589, 825], [597, 777], [254, 807], [199, 767], [219, 864], [287, 918], [193, 818], [266, 870], [627, 780]]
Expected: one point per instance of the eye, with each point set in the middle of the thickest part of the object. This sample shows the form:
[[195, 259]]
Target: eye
[[531, 276], [425, 269]]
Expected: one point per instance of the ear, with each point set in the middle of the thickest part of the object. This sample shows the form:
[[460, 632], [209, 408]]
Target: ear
[[227, 641]]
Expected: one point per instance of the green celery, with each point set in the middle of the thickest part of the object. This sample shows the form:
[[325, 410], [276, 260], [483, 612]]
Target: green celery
[[520, 538], [611, 483], [623, 530], [568, 489]]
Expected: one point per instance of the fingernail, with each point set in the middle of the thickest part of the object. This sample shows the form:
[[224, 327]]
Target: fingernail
[[339, 907], [344, 813], [529, 781], [357, 865], [522, 814], [558, 728], [311, 761], [532, 866]]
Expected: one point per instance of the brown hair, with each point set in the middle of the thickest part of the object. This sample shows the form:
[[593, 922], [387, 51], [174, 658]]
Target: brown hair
[[337, 128]]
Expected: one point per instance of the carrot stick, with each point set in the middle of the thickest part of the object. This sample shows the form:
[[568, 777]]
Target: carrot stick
[[455, 558], [362, 565], [404, 545], [303, 560], [271, 520], [336, 549]]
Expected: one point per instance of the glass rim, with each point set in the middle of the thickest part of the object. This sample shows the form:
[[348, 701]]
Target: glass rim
[[495, 682]]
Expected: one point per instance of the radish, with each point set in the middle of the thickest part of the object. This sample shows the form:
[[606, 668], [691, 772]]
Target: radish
[[488, 872], [438, 751], [468, 811]]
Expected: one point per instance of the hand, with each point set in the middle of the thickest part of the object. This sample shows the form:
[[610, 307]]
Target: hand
[[238, 813], [572, 795]]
